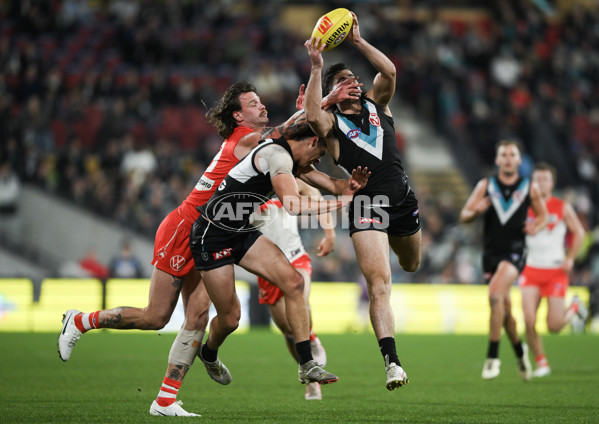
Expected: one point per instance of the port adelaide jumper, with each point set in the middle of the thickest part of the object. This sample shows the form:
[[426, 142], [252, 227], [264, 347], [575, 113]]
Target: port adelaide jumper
[[223, 232]]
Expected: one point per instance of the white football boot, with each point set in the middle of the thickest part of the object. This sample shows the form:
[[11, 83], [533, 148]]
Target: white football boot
[[173, 410], [396, 376], [543, 371], [524, 367], [69, 334], [491, 368]]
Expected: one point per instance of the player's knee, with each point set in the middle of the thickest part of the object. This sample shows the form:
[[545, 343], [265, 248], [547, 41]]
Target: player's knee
[[495, 299], [411, 266], [378, 289], [530, 324], [197, 319], [294, 284], [554, 327], [155, 320], [230, 322]]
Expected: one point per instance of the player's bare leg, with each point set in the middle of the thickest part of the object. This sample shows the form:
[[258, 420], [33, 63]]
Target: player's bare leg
[[408, 250], [196, 304], [278, 314], [531, 299], [184, 348], [164, 294], [372, 252], [501, 316], [265, 259], [220, 285]]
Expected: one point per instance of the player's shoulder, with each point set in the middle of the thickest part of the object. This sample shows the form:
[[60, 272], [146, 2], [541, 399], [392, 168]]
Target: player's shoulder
[[556, 203]]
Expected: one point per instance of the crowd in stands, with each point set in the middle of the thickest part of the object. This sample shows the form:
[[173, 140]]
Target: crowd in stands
[[103, 103]]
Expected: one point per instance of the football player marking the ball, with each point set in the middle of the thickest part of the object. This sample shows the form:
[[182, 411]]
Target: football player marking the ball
[[547, 267], [282, 228], [238, 114], [360, 132], [503, 200], [223, 236]]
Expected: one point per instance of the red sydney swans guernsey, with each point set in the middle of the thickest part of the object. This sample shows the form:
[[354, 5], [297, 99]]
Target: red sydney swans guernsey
[[213, 175], [546, 249]]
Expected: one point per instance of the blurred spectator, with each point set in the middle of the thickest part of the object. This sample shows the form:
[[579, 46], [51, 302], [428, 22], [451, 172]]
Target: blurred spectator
[[92, 266], [125, 264], [10, 189], [505, 68]]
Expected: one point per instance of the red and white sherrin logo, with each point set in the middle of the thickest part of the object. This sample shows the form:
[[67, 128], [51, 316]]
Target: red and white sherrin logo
[[370, 221], [223, 253], [177, 262], [374, 120]]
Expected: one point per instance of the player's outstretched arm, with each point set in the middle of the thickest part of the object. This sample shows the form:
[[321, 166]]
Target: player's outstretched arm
[[286, 189], [318, 179], [383, 86], [320, 121]]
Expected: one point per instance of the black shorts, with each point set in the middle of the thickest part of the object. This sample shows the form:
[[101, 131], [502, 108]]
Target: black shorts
[[400, 220], [213, 247], [491, 262]]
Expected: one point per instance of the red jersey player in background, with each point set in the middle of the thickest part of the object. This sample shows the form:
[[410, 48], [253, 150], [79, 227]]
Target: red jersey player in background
[[548, 264]]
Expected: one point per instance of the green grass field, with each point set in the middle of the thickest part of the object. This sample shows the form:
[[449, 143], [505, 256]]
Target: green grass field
[[113, 377]]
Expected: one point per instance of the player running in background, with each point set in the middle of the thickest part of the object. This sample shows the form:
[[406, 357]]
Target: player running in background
[[361, 132], [548, 265], [503, 200], [282, 228]]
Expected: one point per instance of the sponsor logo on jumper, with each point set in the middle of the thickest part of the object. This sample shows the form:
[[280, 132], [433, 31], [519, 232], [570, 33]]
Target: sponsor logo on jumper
[[354, 133], [222, 185], [177, 262], [204, 183], [223, 253], [370, 221], [374, 119]]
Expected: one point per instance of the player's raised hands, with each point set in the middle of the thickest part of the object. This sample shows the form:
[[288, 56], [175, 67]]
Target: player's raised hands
[[354, 34], [348, 89], [315, 47]]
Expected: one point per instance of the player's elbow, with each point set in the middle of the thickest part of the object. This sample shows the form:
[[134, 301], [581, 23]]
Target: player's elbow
[[313, 120], [390, 72]]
